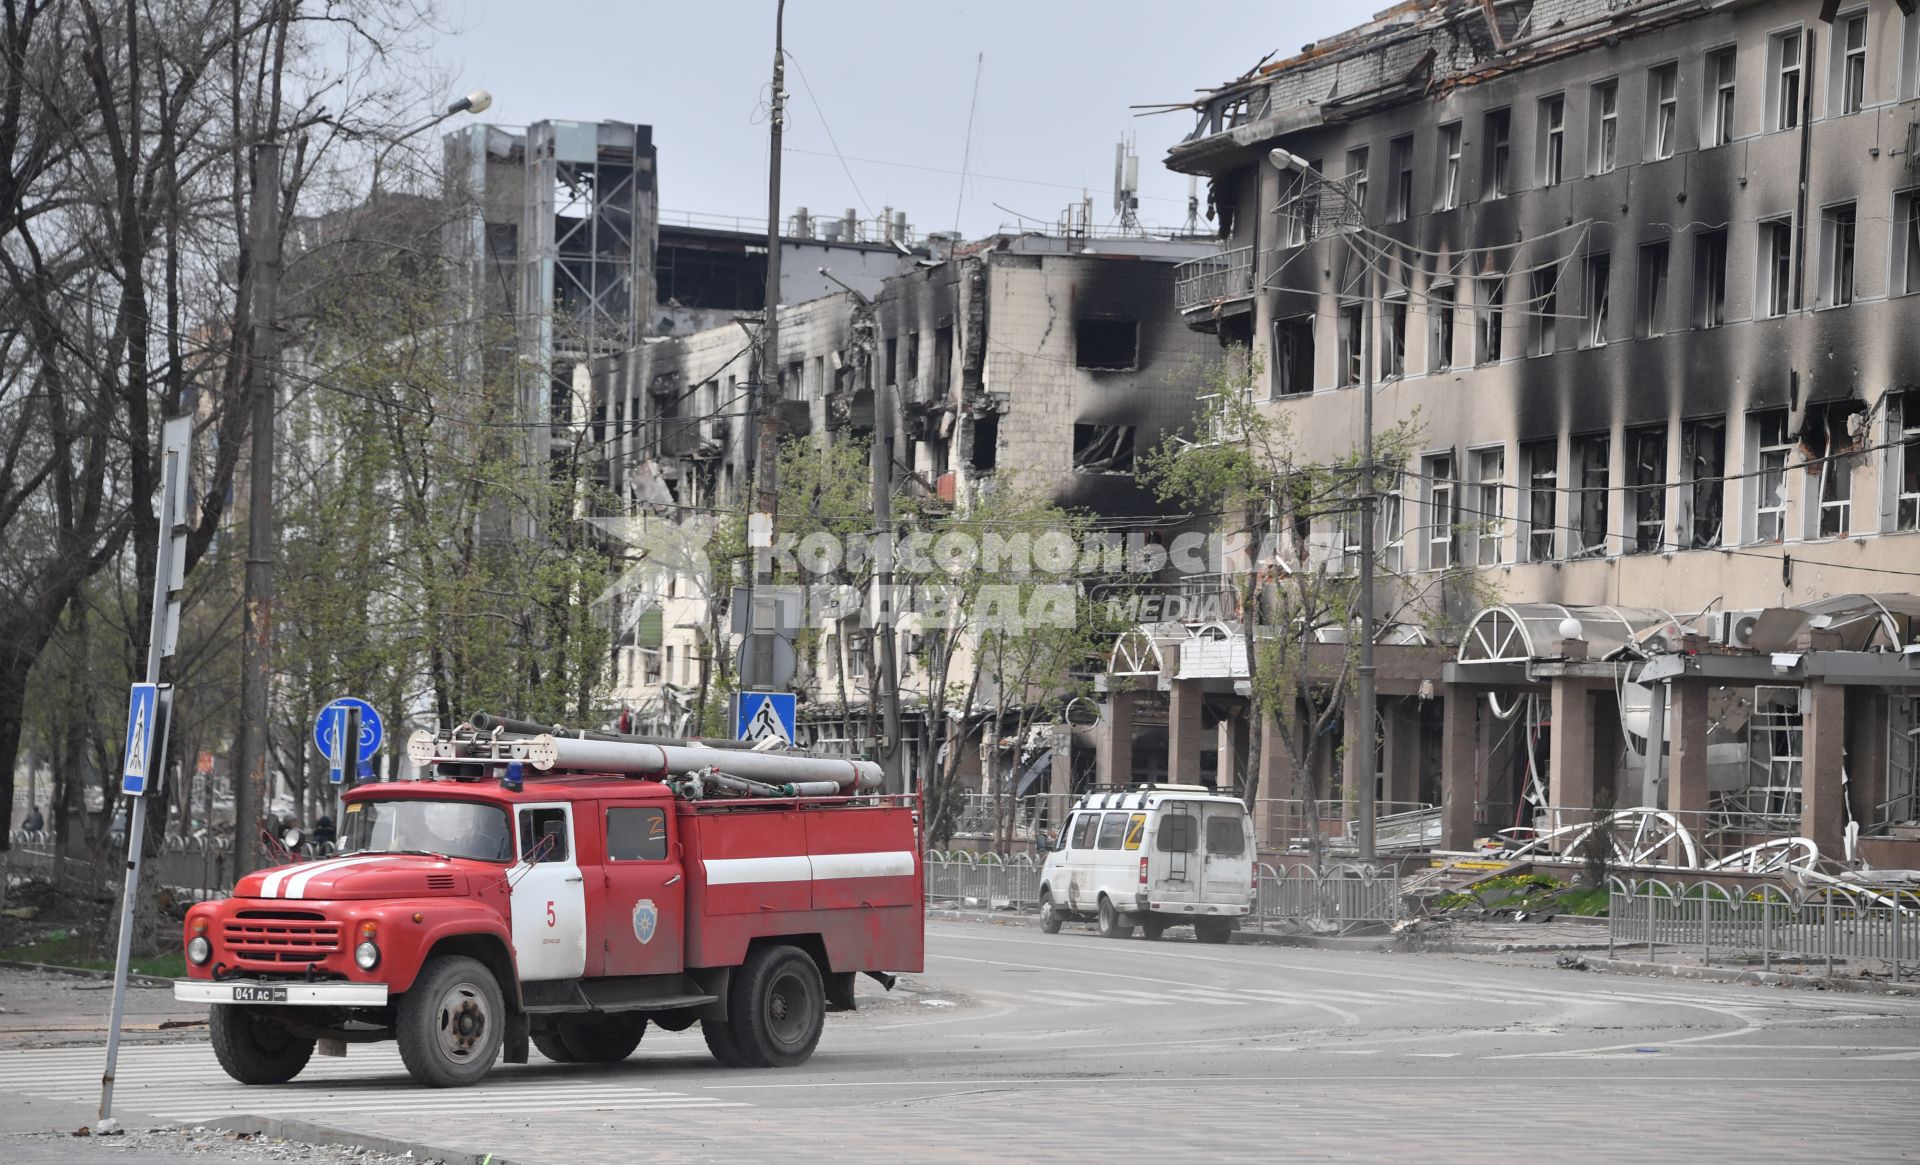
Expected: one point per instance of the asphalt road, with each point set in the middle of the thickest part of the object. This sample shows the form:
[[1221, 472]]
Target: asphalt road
[[1070, 1047]]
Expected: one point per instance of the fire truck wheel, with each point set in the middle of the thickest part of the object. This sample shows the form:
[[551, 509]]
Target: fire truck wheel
[[777, 1008], [553, 1048], [451, 1023], [1109, 924], [1213, 930], [604, 1041], [255, 1050], [1049, 918], [719, 1036]]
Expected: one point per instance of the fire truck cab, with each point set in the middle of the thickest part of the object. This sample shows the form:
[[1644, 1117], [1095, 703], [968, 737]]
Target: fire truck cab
[[467, 919]]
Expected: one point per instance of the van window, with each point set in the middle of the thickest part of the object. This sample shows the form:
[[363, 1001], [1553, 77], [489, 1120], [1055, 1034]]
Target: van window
[[1112, 829], [1136, 825], [1083, 830], [1178, 834], [636, 835], [1226, 836]]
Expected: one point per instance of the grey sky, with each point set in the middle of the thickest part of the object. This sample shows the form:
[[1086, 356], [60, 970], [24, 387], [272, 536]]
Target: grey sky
[[892, 81]]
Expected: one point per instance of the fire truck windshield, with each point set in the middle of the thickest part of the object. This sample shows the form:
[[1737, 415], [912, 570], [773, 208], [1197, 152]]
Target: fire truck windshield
[[455, 829]]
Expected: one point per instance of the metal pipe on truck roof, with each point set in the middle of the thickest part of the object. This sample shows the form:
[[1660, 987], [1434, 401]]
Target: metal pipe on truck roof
[[487, 722], [546, 752]]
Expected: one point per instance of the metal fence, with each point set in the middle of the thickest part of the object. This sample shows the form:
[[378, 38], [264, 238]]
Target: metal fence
[[1820, 924], [1343, 898], [190, 867], [1221, 275]]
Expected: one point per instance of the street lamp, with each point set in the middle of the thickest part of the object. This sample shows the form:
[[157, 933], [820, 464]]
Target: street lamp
[[1368, 737], [478, 101]]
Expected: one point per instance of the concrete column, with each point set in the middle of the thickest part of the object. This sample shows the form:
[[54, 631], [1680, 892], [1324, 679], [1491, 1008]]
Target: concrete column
[[1867, 743], [1231, 737], [1687, 763], [1403, 756], [1460, 768], [1184, 721], [1570, 768], [1114, 765], [1823, 817], [1060, 776]]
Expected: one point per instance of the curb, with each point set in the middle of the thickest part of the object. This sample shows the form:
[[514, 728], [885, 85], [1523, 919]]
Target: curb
[[1240, 937], [1468, 947], [313, 1134], [1759, 978], [133, 979]]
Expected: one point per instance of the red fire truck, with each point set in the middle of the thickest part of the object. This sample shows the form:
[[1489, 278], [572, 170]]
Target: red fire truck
[[565, 892]]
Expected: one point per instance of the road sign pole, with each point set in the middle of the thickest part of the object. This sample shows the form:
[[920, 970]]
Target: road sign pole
[[169, 576]]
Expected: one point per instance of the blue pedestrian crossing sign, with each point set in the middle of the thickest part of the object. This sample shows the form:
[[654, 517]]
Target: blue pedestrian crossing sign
[[143, 727], [762, 716]]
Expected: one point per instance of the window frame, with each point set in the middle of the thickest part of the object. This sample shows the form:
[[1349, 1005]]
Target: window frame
[[1648, 491], [1768, 461], [1850, 71], [1786, 82], [1663, 111], [1597, 298], [1721, 96], [659, 814], [1400, 170], [1489, 322], [1498, 127], [1438, 550], [1710, 279], [1450, 160], [1903, 461], [1553, 139], [1604, 102], [1490, 517], [1442, 301], [1655, 281], [1776, 267], [1711, 489], [1542, 498], [1543, 309]]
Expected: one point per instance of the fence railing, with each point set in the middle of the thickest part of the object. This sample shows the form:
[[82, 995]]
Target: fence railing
[[1823, 924], [1223, 275], [1343, 898], [198, 868]]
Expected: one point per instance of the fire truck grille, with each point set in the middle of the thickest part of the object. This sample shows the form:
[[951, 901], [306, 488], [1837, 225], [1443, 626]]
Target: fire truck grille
[[281, 936]]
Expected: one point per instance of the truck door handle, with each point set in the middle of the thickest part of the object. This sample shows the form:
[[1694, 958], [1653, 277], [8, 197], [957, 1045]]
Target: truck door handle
[[672, 880], [576, 878]]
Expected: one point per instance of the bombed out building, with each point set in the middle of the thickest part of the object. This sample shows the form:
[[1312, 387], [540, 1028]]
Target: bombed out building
[[1642, 277], [1053, 360]]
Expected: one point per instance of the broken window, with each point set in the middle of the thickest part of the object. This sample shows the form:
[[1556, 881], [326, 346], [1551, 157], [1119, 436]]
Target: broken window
[[1440, 314], [1605, 104], [1906, 242], [1553, 139], [1542, 461], [1720, 92], [1776, 266], [1710, 279], [1352, 330], [913, 356], [1783, 93], [1293, 356], [1400, 159], [1106, 345], [1438, 472], [1103, 448], [1590, 467], [1499, 137], [1771, 447], [1396, 337], [1647, 482], [1493, 299], [1294, 206], [1851, 37], [1703, 457], [1839, 226], [1652, 311], [1490, 502], [1543, 307], [1599, 279], [1356, 177], [893, 360], [1389, 530], [1903, 459], [1449, 166], [1663, 111], [1831, 448], [943, 359], [986, 442]]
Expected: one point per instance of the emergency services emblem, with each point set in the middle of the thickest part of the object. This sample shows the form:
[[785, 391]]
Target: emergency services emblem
[[645, 919]]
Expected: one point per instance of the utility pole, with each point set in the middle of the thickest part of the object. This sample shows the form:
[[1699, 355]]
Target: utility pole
[[766, 484], [256, 639], [1365, 734]]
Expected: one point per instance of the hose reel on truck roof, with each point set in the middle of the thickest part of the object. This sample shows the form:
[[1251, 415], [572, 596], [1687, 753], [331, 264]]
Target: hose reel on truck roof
[[694, 771]]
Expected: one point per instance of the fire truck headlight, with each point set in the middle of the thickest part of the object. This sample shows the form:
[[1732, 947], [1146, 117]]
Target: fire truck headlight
[[199, 950], [367, 955]]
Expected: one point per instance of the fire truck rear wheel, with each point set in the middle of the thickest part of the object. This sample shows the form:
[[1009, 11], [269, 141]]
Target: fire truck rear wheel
[[719, 1036], [1049, 917], [254, 1049], [777, 1008], [451, 1023]]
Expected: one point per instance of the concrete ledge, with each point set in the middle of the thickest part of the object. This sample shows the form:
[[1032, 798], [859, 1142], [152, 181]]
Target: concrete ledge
[[312, 1134], [1472, 947], [1762, 978]]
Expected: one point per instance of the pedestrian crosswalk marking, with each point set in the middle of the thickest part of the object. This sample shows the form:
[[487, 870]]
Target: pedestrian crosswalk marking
[[184, 1082]]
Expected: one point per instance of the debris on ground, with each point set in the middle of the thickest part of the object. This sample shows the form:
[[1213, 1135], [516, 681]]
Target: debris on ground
[[175, 1142], [1570, 962]]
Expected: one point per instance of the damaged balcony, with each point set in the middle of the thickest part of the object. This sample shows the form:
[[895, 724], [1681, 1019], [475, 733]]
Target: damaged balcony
[[1215, 282]]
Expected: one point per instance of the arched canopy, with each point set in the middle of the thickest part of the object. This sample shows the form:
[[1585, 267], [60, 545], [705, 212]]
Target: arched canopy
[[1519, 632]]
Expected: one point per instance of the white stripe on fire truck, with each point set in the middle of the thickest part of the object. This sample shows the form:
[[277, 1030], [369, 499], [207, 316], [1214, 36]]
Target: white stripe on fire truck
[[297, 886], [800, 868]]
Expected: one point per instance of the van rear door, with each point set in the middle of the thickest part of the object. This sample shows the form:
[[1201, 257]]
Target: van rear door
[[1174, 866], [1227, 859]]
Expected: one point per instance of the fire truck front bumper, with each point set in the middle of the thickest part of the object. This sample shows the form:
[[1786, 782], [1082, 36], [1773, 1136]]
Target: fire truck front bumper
[[287, 993]]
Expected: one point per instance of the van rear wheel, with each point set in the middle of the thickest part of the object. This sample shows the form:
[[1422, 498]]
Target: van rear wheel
[[1213, 930], [1049, 918], [1151, 931], [1110, 925]]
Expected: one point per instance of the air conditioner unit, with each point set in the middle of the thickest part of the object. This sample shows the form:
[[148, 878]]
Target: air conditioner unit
[[1735, 628]]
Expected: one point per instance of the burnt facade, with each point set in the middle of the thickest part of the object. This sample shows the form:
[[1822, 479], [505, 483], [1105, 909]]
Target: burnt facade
[[1643, 276]]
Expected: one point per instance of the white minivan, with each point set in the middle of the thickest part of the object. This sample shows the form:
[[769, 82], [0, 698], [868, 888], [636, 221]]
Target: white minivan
[[1151, 856]]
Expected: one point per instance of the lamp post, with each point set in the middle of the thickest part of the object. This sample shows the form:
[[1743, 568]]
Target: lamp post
[[478, 101], [1368, 736]]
